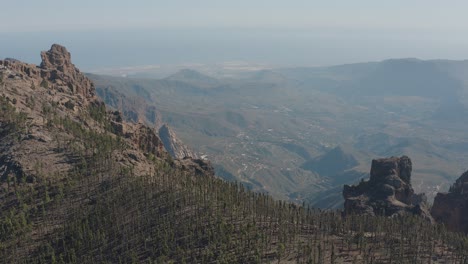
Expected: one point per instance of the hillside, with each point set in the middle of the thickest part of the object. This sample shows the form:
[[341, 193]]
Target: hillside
[[273, 129], [80, 185]]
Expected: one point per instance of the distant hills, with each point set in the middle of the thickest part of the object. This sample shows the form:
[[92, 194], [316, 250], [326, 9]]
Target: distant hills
[[251, 126], [332, 162], [193, 77], [80, 184]]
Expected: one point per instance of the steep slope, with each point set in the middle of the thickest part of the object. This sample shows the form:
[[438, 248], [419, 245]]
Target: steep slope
[[56, 95], [135, 109], [56, 136], [173, 145], [80, 185]]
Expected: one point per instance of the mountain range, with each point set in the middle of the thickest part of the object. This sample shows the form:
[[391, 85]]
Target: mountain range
[[300, 133], [80, 184]]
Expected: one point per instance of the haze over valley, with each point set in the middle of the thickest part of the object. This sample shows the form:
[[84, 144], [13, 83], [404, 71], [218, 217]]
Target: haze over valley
[[300, 133], [234, 131]]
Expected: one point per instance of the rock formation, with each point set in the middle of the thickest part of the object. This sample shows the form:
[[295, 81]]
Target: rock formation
[[451, 208], [57, 93], [173, 145], [57, 67], [388, 192], [196, 166]]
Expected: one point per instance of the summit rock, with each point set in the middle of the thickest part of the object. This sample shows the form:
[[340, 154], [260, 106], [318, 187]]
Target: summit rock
[[57, 57], [58, 68]]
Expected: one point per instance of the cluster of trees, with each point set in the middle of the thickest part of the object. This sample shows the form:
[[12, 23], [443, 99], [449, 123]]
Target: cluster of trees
[[102, 212]]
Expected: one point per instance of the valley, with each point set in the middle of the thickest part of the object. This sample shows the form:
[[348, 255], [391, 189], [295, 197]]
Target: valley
[[79, 184], [292, 132], [224, 132]]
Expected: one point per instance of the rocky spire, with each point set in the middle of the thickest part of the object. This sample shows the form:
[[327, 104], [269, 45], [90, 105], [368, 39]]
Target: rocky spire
[[57, 57], [57, 68], [388, 191]]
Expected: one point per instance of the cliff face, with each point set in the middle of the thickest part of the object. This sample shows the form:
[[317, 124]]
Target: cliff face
[[451, 208], [173, 145], [388, 192]]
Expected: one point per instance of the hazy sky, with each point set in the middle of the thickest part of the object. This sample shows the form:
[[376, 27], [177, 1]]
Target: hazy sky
[[312, 32], [432, 15]]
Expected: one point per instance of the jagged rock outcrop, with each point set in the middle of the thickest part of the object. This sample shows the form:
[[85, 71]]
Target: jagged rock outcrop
[[56, 73], [173, 145], [57, 67], [388, 192], [451, 208], [146, 138]]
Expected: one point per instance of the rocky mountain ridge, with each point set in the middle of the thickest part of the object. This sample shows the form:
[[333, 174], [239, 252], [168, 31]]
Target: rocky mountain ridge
[[79, 184], [54, 94]]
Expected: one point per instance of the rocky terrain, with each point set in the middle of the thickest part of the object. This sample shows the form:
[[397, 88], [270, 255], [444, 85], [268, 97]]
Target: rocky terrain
[[135, 109], [388, 192], [451, 208], [80, 184], [53, 126], [57, 90], [173, 145]]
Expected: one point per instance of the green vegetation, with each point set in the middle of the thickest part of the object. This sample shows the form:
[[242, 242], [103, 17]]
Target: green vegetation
[[102, 212], [12, 121], [90, 201]]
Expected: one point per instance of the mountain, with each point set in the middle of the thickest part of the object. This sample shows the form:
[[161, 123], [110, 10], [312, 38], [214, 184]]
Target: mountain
[[193, 77], [269, 129], [79, 184], [332, 162], [408, 77]]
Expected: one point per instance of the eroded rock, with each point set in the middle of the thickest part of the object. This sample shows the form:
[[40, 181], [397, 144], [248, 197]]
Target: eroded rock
[[451, 208], [388, 192]]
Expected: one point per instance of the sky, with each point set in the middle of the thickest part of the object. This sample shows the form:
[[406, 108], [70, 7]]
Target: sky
[[294, 32]]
